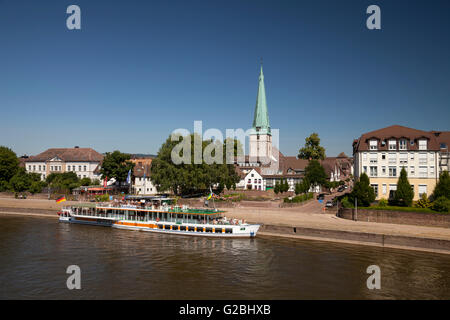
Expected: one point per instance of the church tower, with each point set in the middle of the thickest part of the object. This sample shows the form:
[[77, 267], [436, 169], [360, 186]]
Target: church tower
[[260, 136]]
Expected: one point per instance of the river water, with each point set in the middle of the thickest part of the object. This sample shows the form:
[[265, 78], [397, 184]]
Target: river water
[[119, 264]]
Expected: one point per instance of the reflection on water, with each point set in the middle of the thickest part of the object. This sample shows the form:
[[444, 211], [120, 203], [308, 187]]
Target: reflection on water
[[120, 264]]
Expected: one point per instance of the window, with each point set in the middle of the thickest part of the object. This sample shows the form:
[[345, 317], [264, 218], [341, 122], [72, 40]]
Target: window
[[253, 175], [259, 180], [383, 156], [373, 144], [402, 144], [392, 145], [392, 171], [39, 168], [422, 189], [364, 156], [373, 171], [249, 180], [384, 188], [79, 168], [365, 169], [422, 144], [392, 158], [443, 146], [411, 156], [85, 167], [34, 167], [412, 171], [375, 189], [373, 157], [431, 156], [68, 168], [423, 172], [383, 170], [403, 158], [432, 171], [422, 158]]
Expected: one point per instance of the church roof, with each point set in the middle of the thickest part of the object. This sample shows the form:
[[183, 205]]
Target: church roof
[[261, 122]]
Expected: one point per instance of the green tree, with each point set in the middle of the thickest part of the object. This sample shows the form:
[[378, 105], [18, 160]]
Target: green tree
[[63, 182], [363, 192], [315, 173], [276, 188], [312, 149], [9, 164], [441, 204], [442, 188], [404, 194], [116, 165], [21, 181], [188, 177], [85, 182]]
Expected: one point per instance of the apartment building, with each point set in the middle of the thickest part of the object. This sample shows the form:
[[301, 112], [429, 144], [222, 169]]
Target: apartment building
[[85, 162], [382, 154]]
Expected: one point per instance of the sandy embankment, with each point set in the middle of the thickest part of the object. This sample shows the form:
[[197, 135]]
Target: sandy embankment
[[309, 222]]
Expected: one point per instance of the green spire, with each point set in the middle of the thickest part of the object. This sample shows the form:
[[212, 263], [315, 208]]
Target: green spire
[[261, 120]]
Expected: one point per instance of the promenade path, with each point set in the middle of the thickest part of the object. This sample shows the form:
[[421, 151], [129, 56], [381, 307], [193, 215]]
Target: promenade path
[[309, 215]]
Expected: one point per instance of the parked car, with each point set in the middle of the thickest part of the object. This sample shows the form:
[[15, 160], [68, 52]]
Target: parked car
[[329, 204], [340, 189], [321, 196]]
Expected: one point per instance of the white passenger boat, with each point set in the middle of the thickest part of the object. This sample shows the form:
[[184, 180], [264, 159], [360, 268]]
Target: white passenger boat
[[159, 216]]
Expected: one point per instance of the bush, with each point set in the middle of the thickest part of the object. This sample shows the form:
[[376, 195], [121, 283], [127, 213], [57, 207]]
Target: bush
[[102, 198], [346, 203], [441, 204], [423, 202], [299, 198], [382, 203]]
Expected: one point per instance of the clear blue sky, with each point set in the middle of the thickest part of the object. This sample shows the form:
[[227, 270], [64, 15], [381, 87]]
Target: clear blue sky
[[139, 69]]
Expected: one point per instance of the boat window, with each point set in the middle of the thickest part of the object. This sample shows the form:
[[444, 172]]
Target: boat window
[[218, 230], [228, 230], [191, 228], [208, 229], [160, 226], [199, 229]]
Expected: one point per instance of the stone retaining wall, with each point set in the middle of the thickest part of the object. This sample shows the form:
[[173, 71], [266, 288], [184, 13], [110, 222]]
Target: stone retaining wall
[[397, 217]]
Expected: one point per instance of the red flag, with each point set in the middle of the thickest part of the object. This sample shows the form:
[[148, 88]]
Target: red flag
[[104, 181]]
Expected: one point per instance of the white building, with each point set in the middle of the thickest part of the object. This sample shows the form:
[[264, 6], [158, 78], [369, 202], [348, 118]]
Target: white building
[[84, 162]]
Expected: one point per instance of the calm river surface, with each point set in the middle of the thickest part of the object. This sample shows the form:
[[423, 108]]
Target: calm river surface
[[120, 264]]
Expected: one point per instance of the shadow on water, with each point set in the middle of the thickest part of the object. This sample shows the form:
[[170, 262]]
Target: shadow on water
[[119, 264]]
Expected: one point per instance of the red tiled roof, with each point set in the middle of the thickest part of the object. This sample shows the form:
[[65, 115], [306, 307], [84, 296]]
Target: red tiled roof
[[395, 132], [68, 154]]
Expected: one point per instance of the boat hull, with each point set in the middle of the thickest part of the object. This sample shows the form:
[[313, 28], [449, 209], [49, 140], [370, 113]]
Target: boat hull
[[205, 230]]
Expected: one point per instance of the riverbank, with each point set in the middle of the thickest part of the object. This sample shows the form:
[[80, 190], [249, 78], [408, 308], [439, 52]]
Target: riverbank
[[306, 222]]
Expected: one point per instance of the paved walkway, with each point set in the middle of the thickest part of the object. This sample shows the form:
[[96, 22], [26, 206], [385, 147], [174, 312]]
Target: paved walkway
[[310, 215]]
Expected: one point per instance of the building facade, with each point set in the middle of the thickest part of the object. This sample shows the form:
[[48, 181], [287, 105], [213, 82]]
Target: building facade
[[141, 182], [382, 154], [84, 162]]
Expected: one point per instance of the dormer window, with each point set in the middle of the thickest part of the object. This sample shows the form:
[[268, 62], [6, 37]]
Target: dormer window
[[423, 144], [373, 144], [392, 145], [402, 144]]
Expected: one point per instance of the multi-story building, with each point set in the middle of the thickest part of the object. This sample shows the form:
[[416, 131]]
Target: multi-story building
[[382, 154], [85, 162], [141, 182]]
